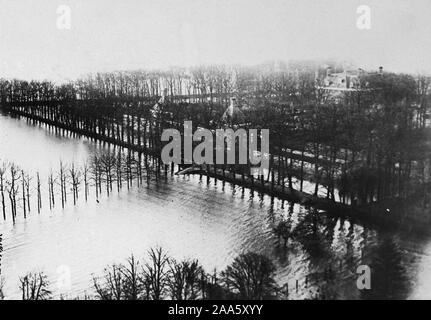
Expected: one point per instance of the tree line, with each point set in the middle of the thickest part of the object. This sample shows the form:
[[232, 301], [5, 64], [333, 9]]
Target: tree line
[[160, 277], [360, 146], [250, 276], [202, 83]]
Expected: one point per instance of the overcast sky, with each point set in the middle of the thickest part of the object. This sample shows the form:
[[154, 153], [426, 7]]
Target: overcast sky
[[130, 34]]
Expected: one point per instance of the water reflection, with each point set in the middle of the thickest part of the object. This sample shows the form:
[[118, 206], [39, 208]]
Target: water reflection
[[316, 255], [389, 277]]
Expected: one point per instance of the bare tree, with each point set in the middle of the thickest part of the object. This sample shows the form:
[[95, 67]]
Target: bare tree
[[184, 279], [111, 285], [39, 194], [132, 279], [51, 192], [250, 277], [108, 165], [3, 169], [156, 271], [85, 172], [12, 189], [96, 172], [63, 177], [1, 278], [1, 288], [34, 286], [27, 181], [75, 177], [24, 207]]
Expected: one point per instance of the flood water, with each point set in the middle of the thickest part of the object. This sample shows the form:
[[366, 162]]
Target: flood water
[[192, 218]]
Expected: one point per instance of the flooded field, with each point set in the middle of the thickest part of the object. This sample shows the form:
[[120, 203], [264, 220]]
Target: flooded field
[[194, 218]]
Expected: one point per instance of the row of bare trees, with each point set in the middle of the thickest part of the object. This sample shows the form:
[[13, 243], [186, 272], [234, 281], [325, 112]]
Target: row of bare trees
[[160, 277], [101, 174], [214, 83], [250, 276], [15, 185]]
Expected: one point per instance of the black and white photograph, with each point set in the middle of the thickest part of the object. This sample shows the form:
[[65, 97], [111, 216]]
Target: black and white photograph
[[234, 151]]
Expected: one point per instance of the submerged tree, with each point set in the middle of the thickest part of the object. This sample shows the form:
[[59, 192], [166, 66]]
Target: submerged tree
[[13, 189], [75, 180], [3, 169]]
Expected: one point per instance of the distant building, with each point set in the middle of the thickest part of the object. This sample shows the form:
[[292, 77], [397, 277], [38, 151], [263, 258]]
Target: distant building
[[348, 79], [344, 80]]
